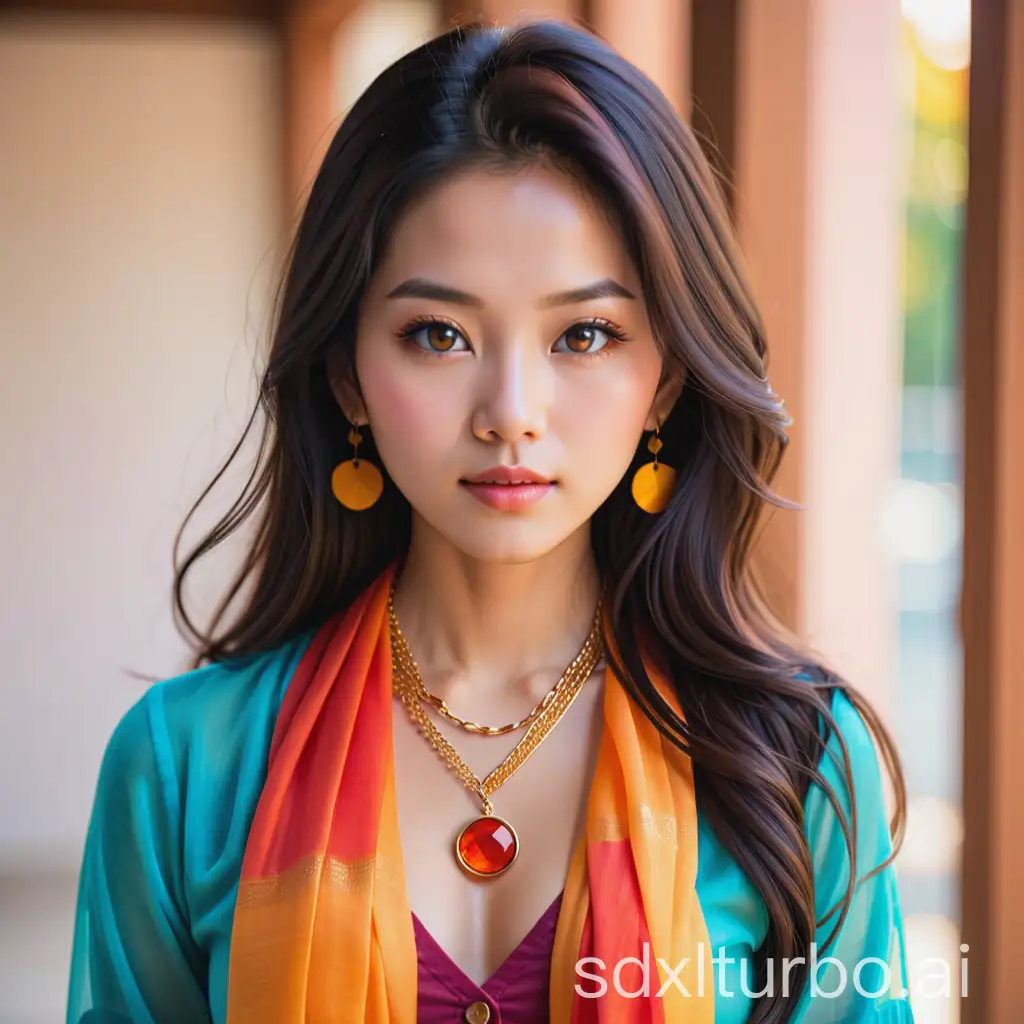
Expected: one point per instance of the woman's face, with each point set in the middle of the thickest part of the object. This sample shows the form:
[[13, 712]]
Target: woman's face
[[506, 362]]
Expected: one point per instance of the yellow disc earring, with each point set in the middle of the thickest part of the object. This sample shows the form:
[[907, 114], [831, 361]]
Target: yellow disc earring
[[654, 482], [357, 484]]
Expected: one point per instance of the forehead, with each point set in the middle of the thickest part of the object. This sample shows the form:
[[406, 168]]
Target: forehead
[[532, 230]]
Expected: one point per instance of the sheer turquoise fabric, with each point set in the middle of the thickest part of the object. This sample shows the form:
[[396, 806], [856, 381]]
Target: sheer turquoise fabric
[[177, 791]]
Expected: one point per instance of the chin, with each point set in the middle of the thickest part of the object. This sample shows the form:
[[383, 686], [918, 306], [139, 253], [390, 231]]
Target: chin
[[507, 543]]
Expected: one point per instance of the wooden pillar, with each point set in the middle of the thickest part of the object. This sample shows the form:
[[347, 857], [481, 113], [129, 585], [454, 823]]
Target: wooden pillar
[[655, 36], [738, 85], [769, 155], [993, 586], [308, 28], [853, 341], [815, 149], [714, 81], [507, 12]]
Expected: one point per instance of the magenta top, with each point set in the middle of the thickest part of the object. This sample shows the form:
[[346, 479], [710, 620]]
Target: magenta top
[[516, 993]]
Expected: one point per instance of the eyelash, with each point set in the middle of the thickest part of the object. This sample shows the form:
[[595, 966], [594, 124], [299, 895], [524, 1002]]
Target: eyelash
[[616, 335]]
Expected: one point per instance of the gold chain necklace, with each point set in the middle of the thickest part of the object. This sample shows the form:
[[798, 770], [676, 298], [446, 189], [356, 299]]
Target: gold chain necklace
[[488, 845], [403, 657], [486, 730]]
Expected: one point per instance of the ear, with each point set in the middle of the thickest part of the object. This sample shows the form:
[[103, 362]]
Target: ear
[[345, 389], [664, 400]]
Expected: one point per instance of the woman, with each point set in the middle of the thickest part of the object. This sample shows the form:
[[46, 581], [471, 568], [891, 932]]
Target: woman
[[519, 437]]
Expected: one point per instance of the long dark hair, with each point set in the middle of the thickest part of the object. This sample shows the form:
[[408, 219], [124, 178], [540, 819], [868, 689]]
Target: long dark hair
[[757, 706]]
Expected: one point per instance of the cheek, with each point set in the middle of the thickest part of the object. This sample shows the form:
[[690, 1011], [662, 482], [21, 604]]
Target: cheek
[[609, 407], [602, 436], [397, 403]]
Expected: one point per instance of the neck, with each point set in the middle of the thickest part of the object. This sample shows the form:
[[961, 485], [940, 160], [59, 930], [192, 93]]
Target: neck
[[495, 627]]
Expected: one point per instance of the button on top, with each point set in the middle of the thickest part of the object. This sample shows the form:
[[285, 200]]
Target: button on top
[[478, 1013]]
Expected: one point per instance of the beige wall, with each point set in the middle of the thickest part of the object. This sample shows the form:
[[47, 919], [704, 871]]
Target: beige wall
[[374, 36], [137, 212]]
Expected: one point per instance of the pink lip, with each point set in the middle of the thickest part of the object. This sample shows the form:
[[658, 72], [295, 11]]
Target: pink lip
[[508, 488], [507, 475]]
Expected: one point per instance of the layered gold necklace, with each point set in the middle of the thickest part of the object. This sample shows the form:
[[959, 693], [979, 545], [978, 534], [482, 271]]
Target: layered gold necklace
[[488, 845]]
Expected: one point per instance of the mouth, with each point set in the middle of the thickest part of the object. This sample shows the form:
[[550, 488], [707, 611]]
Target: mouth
[[508, 475], [508, 488]]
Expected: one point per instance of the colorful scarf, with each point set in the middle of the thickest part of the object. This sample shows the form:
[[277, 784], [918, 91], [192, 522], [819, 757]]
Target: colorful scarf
[[323, 931]]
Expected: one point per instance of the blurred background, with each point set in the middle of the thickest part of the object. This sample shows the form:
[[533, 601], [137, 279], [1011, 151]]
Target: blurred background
[[153, 158]]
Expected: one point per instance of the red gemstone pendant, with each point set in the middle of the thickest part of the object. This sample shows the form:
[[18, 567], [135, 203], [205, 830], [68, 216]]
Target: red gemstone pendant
[[487, 846]]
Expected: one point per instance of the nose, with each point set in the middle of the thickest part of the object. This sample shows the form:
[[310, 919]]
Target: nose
[[515, 393]]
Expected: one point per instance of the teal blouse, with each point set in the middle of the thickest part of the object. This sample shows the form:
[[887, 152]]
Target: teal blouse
[[177, 792]]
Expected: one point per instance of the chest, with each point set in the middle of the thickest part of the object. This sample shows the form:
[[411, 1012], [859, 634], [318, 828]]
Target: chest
[[736, 917], [478, 922]]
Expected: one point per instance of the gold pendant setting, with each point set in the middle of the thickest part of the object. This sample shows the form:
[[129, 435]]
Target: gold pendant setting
[[487, 846]]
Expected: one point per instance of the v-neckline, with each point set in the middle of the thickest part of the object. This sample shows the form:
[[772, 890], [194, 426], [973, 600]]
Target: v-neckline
[[542, 932]]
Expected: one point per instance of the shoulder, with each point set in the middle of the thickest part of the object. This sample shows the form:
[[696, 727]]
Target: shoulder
[[225, 703], [851, 732], [851, 745], [846, 736], [850, 773], [202, 721], [183, 772]]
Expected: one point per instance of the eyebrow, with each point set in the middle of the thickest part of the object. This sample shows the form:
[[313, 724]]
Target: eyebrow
[[421, 288]]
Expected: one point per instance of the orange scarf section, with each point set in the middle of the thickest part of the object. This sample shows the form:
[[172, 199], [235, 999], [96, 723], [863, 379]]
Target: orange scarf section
[[323, 930]]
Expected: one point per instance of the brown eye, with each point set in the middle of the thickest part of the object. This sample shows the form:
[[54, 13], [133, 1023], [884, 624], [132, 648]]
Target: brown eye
[[441, 337], [581, 337], [587, 339], [436, 336]]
